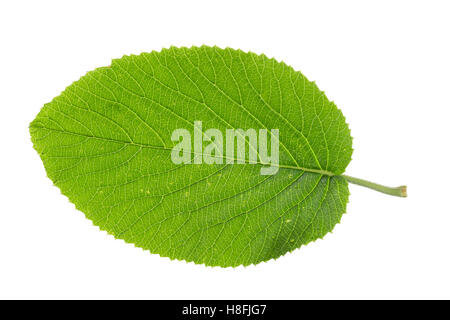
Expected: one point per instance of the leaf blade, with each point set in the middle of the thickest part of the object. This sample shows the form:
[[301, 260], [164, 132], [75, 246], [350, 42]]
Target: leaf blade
[[105, 142]]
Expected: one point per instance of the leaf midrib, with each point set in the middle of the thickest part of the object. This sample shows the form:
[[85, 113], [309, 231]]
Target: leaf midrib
[[142, 145]]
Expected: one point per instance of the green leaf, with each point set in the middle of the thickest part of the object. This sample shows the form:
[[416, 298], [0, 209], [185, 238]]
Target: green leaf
[[106, 143]]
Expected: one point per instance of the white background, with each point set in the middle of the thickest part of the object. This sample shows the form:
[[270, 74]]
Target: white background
[[386, 64]]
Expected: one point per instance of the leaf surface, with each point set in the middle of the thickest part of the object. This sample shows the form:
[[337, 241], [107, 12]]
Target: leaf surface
[[106, 143]]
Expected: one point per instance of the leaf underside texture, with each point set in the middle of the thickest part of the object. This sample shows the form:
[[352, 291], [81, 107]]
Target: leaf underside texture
[[106, 143]]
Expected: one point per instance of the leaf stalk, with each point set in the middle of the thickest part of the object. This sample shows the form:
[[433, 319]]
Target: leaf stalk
[[393, 191]]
